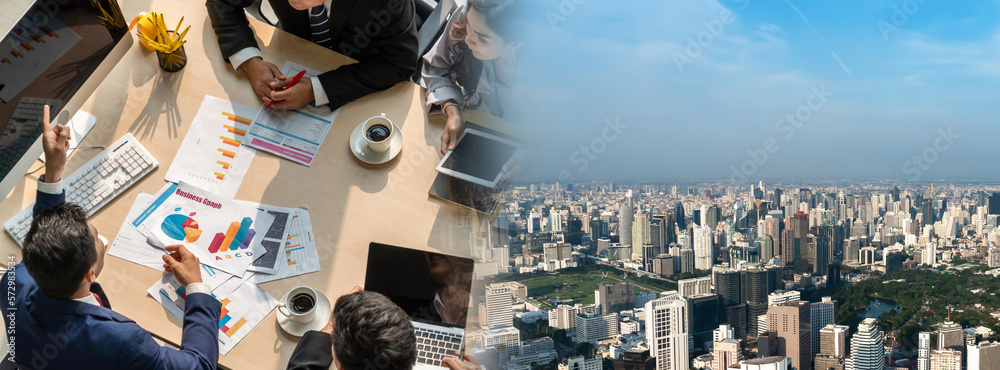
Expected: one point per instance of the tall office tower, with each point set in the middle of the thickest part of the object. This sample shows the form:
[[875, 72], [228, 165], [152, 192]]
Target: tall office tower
[[591, 327], [726, 353], [712, 215], [499, 299], [984, 356], [820, 250], [598, 229], [924, 351], [929, 255], [736, 316], [534, 222], [791, 321], [756, 284], [833, 347], [994, 203], [696, 219], [767, 344], [667, 332], [555, 221], [687, 260], [640, 232], [657, 232], [895, 193], [614, 298], [950, 336], [767, 250], [695, 286], [679, 213], [669, 228], [867, 256], [794, 241], [502, 229], [723, 332], [821, 314], [635, 359], [625, 215], [703, 252], [993, 257], [949, 359], [703, 318], [507, 341], [867, 347], [564, 316], [727, 285], [739, 216]]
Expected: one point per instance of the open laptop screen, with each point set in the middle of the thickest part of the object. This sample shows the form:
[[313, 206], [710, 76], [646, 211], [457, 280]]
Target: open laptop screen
[[431, 287]]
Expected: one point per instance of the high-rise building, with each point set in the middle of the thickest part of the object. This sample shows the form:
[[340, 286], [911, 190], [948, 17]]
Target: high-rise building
[[833, 347], [867, 347], [948, 359], [564, 316], [614, 298], [794, 239], [780, 297], [929, 255], [994, 203], [725, 331], [591, 327], [635, 359], [625, 215], [667, 332], [767, 363], [767, 344], [703, 318], [924, 351], [499, 299], [726, 353], [791, 321], [821, 314], [727, 285], [687, 260], [640, 232], [679, 213], [505, 340], [984, 356], [950, 336], [690, 287], [704, 256]]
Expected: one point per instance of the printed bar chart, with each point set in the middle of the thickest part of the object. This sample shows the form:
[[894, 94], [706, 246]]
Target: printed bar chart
[[224, 326]]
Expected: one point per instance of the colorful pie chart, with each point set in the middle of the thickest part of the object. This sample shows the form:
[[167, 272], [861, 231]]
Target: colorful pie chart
[[181, 227]]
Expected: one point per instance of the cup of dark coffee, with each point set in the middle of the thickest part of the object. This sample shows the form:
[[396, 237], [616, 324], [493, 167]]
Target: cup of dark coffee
[[378, 133], [299, 304]]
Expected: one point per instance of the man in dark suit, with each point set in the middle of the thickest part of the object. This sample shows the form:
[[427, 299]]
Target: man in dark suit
[[61, 317], [380, 34]]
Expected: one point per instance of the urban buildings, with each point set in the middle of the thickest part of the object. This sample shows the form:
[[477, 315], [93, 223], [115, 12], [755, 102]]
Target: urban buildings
[[867, 347], [667, 332], [790, 320]]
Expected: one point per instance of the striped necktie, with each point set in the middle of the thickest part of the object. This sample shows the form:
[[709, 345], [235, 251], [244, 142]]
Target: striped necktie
[[319, 22]]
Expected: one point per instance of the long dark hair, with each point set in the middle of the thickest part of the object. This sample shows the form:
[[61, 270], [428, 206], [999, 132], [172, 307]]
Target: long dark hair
[[467, 69]]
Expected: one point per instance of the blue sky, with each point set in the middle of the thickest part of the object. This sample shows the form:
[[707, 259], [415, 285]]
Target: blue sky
[[899, 76]]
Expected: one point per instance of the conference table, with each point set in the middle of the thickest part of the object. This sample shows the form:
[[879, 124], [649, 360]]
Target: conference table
[[350, 203]]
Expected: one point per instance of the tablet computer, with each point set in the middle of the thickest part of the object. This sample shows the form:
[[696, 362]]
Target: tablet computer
[[478, 158]]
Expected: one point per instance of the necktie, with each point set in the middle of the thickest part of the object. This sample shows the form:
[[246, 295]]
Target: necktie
[[319, 23], [98, 299]]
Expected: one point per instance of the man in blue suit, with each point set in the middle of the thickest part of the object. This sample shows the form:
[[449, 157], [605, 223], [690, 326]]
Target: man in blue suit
[[61, 317]]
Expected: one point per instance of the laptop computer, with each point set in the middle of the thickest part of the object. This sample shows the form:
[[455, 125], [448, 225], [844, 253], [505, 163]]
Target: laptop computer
[[432, 288]]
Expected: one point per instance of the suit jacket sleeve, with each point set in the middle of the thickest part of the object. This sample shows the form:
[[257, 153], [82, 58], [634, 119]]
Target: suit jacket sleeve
[[394, 60], [45, 201], [231, 26], [199, 340], [314, 352]]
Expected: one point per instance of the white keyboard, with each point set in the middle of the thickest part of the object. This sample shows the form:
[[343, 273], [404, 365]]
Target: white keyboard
[[434, 343], [97, 182]]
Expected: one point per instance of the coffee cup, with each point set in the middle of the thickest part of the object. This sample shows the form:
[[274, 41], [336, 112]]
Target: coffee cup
[[378, 133], [300, 304]]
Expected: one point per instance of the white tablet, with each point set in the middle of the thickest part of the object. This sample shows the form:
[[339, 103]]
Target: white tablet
[[478, 157]]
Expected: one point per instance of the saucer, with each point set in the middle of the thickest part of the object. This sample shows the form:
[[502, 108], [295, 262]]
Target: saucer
[[359, 146], [324, 310]]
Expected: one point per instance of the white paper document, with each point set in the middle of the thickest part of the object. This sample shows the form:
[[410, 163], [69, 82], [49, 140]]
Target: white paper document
[[211, 156], [296, 134], [223, 233], [298, 255]]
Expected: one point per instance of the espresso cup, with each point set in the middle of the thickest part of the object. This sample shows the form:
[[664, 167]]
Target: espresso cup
[[300, 304], [378, 133]]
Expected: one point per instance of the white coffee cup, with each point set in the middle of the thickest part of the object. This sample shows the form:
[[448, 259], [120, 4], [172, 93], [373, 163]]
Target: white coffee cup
[[303, 314], [378, 146]]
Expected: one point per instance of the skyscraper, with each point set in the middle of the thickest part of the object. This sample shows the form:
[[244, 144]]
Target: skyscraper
[[591, 327], [794, 241], [867, 347], [640, 232], [703, 318], [498, 306], [924, 351], [833, 347], [985, 355], [949, 359], [625, 215], [614, 298], [726, 353], [703, 252], [667, 332], [679, 213], [791, 321], [950, 336], [821, 314]]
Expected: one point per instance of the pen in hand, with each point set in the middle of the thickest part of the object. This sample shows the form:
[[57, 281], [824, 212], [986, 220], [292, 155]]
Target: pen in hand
[[298, 76]]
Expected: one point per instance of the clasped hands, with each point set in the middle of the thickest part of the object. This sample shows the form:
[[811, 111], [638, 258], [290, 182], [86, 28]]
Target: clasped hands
[[267, 81]]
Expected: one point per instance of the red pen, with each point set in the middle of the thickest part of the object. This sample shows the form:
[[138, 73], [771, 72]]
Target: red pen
[[295, 80]]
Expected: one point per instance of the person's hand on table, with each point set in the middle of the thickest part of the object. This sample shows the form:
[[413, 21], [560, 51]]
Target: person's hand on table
[[262, 74], [297, 96], [329, 324], [55, 143], [183, 264], [460, 363], [453, 128]]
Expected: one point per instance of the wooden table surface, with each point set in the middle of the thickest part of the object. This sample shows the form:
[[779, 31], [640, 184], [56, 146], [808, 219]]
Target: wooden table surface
[[350, 203]]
